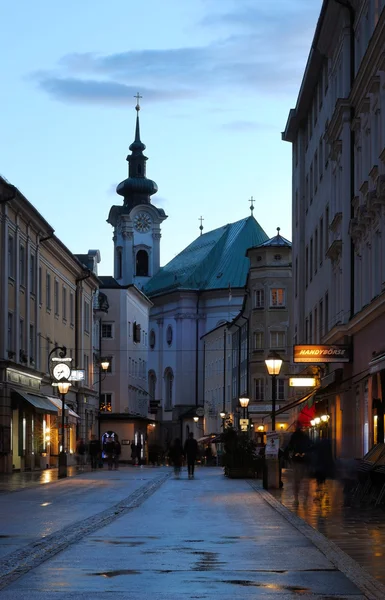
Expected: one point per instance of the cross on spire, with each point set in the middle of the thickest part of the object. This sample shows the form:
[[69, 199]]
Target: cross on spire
[[201, 219], [251, 204], [138, 97]]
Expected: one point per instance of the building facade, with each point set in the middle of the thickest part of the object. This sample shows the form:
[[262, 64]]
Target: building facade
[[337, 130], [46, 299]]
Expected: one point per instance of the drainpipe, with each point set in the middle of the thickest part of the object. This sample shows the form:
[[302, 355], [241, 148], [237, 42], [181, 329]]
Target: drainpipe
[[224, 370]]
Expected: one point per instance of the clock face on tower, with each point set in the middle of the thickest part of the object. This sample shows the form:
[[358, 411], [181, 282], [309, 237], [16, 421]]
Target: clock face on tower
[[142, 222]]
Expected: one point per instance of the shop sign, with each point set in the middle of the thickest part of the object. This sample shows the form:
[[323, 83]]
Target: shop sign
[[244, 423], [316, 353]]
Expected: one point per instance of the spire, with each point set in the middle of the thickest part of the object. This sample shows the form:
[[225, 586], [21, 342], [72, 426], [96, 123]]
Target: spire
[[201, 219], [278, 230], [251, 204], [137, 189]]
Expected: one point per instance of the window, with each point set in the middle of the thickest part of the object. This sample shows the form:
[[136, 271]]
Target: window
[[119, 263], [311, 328], [152, 339], [326, 320], [48, 291], [72, 318], [136, 332], [21, 336], [311, 260], [40, 288], [259, 389], [107, 330], [105, 403], [169, 379], [10, 332], [281, 389], [22, 264], [56, 296], [64, 303], [277, 297], [277, 339], [11, 257], [86, 369], [31, 343], [169, 335], [142, 263], [259, 298], [32, 274], [151, 385], [86, 316], [307, 266], [258, 340]]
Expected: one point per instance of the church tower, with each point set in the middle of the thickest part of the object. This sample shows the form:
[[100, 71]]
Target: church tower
[[137, 223]]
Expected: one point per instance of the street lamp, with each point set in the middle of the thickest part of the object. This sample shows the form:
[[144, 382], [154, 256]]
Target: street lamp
[[273, 364], [63, 387], [104, 364], [196, 419], [244, 402]]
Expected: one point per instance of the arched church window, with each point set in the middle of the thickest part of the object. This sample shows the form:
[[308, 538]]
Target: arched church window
[[169, 335], [151, 385], [152, 339], [168, 380], [141, 263], [119, 263]]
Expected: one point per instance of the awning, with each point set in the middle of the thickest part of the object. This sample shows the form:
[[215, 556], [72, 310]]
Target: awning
[[40, 403], [298, 402], [58, 403]]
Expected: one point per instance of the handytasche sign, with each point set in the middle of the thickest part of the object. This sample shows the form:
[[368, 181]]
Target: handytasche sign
[[316, 353]]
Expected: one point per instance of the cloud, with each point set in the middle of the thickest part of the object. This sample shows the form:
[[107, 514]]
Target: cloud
[[262, 51]]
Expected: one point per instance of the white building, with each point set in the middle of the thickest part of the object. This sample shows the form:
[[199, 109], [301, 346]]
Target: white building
[[338, 134]]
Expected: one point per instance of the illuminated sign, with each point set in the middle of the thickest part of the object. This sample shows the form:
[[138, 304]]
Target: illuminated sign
[[302, 381], [315, 353]]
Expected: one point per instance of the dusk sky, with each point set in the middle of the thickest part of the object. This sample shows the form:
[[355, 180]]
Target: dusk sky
[[218, 78]]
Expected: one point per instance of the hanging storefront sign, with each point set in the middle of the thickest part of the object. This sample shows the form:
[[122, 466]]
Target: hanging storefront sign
[[316, 353]]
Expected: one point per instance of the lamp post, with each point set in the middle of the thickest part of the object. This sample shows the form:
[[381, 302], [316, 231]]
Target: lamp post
[[104, 364], [63, 387], [222, 415], [244, 402], [273, 364]]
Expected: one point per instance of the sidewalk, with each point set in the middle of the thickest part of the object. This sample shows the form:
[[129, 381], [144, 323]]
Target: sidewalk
[[207, 538], [360, 532], [14, 482]]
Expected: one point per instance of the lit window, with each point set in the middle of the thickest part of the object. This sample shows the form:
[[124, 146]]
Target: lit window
[[277, 297]]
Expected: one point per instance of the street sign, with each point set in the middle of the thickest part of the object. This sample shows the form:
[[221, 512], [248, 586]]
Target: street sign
[[200, 412], [77, 375], [244, 423]]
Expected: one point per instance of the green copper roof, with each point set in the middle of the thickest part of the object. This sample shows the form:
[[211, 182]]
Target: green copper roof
[[214, 260]]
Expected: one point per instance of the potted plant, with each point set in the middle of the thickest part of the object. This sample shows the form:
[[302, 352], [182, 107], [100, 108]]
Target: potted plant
[[241, 458]]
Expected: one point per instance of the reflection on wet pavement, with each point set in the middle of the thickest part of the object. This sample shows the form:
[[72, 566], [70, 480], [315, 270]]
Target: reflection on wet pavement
[[358, 531], [14, 482]]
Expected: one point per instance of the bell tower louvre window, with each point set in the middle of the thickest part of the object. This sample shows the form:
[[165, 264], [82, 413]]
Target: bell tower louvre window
[[142, 264]]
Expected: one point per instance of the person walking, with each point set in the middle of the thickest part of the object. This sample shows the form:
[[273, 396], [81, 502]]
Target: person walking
[[138, 451], [176, 456], [117, 453], [299, 449], [81, 453], [94, 450], [191, 451], [133, 453], [109, 452]]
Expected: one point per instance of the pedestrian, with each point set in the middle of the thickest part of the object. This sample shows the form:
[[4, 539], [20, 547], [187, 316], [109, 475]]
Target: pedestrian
[[299, 449], [138, 451], [117, 453], [208, 455], [109, 451], [81, 453], [133, 452], [94, 450], [190, 452], [176, 456], [323, 464]]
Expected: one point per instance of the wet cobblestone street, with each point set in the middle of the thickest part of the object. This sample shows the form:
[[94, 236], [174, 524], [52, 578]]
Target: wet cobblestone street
[[358, 531]]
